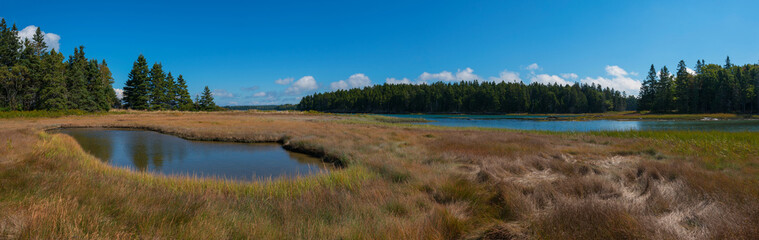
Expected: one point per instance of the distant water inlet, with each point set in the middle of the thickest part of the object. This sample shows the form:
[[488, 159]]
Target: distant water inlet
[[532, 122], [166, 154]]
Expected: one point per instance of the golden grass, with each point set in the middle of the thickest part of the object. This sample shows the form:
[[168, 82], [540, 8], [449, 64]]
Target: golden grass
[[398, 181]]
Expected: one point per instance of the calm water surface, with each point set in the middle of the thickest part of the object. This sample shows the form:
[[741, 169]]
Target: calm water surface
[[527, 122], [156, 152]]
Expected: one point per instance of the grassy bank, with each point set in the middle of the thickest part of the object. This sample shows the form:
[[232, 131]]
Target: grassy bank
[[399, 181]]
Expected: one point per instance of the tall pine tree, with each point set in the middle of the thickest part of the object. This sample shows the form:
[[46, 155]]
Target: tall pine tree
[[137, 88]]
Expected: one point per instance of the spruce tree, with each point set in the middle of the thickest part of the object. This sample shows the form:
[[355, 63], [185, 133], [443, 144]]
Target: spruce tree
[[647, 90], [136, 91], [664, 96], [77, 82], [111, 101], [205, 103], [184, 101], [682, 85], [158, 88], [53, 92]]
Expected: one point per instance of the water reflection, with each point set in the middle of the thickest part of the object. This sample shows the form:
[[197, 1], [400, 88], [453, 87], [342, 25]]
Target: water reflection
[[527, 122], [151, 151]]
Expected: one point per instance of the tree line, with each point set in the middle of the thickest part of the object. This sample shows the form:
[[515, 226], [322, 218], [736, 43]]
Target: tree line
[[711, 89], [153, 89], [471, 97], [33, 78]]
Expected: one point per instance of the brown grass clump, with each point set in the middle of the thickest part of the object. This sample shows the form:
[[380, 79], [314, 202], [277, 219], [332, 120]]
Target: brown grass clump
[[396, 181]]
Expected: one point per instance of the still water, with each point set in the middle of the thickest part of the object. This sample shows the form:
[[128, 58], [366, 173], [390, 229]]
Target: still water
[[166, 154], [528, 122]]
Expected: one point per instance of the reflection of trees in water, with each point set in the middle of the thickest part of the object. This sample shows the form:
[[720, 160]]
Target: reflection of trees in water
[[138, 149], [99, 145]]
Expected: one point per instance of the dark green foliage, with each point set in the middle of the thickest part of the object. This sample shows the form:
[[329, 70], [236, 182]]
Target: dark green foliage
[[31, 78], [137, 88], [205, 102], [469, 97], [282, 107], [713, 89], [182, 96], [159, 89], [53, 93]]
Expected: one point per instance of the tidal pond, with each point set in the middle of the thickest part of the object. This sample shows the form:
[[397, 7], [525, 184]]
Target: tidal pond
[[156, 152], [537, 122]]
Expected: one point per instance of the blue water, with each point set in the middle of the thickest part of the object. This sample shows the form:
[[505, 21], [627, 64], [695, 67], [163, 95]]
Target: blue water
[[530, 122], [166, 154]]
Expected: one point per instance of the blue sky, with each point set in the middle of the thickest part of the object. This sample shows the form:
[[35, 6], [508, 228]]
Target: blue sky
[[271, 53]]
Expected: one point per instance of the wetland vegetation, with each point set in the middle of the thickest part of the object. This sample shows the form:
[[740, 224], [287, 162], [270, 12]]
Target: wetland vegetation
[[399, 181]]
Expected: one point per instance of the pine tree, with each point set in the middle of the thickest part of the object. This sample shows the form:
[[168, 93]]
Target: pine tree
[[647, 90], [10, 46], [682, 84], [184, 101], [171, 92], [76, 80], [39, 45], [136, 91], [664, 92], [53, 92], [728, 65], [157, 88], [111, 101], [206, 103]]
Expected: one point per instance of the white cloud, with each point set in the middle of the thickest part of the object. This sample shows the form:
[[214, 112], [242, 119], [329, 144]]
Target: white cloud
[[549, 79], [533, 67], [442, 76], [461, 75], [260, 94], [357, 80], [615, 71], [620, 80], [307, 83], [507, 76], [119, 93], [221, 93], [569, 75], [690, 71], [466, 75], [51, 39], [397, 81], [284, 81]]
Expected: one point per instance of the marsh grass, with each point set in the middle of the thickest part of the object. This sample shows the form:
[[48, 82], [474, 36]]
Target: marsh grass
[[397, 181]]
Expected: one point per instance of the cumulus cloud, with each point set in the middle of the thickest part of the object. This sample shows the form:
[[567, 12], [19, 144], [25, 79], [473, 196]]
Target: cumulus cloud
[[51, 39], [284, 81], [442, 76], [690, 71], [466, 75], [119, 93], [620, 80], [221, 93], [507, 76], [549, 79], [304, 84], [533, 67], [357, 80], [569, 75]]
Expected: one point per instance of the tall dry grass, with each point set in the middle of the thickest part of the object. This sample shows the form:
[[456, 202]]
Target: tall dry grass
[[397, 181]]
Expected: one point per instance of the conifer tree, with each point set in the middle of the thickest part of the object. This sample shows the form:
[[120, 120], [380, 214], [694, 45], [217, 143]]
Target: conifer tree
[[137, 86], [158, 88], [184, 101], [206, 103], [682, 84], [53, 92], [664, 94], [647, 90]]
